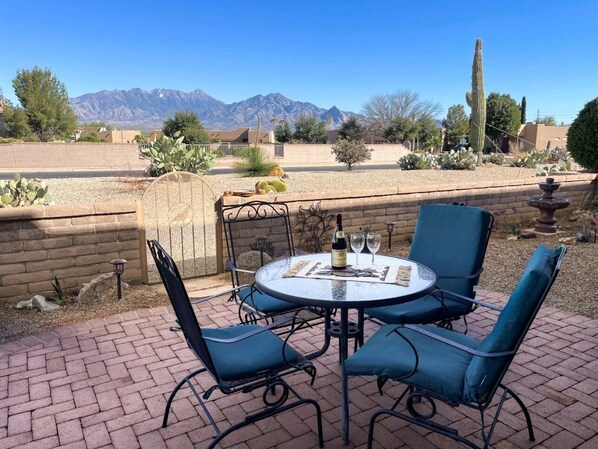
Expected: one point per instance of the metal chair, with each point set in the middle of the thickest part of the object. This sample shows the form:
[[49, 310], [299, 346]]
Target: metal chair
[[438, 364], [257, 233], [452, 241], [240, 358]]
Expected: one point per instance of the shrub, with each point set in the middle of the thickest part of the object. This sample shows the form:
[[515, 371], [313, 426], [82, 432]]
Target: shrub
[[255, 163], [351, 152], [458, 160], [417, 161], [169, 154], [20, 192], [494, 158], [582, 138]]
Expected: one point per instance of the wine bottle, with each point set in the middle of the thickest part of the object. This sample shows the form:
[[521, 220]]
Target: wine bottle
[[339, 246]]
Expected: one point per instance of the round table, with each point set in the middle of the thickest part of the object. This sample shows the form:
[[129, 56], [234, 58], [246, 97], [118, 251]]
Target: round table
[[343, 294]]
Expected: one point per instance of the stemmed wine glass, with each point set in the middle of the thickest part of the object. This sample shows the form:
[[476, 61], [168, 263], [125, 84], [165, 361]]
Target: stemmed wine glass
[[357, 244], [374, 241]]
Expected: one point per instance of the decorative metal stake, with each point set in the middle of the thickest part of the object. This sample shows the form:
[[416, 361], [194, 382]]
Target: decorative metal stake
[[119, 269], [389, 228]]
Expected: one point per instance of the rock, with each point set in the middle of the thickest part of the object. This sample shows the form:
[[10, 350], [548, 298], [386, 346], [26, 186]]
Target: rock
[[43, 305], [573, 218], [27, 304], [528, 235], [513, 237], [102, 288]]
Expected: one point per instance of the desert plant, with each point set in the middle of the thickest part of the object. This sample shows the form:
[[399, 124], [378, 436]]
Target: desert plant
[[512, 227], [583, 135], [274, 186], [24, 192], [417, 161], [170, 154], [59, 290], [494, 158], [476, 99], [255, 163], [587, 234], [458, 160], [351, 152]]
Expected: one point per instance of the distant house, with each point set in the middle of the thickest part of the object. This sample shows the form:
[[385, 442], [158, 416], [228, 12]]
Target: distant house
[[108, 136], [241, 136], [537, 135]]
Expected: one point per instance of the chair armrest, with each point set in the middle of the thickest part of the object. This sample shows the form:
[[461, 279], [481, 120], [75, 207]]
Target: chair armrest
[[453, 343], [459, 297], [253, 332], [232, 267], [216, 295], [471, 276]]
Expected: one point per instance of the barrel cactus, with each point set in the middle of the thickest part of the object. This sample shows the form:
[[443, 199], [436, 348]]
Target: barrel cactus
[[19, 192]]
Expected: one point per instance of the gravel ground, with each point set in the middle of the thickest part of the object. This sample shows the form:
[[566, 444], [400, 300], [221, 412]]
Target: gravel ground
[[575, 289], [78, 190]]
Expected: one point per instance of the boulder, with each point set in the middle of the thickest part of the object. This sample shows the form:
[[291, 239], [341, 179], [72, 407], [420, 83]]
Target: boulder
[[43, 305], [27, 304], [102, 288]]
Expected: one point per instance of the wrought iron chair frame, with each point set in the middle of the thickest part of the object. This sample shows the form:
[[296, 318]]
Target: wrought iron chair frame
[[416, 393], [272, 381]]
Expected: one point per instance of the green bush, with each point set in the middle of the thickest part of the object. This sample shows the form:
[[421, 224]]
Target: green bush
[[351, 152], [169, 154], [582, 138], [458, 160], [20, 192], [241, 151], [494, 158], [531, 158], [255, 163], [417, 161]]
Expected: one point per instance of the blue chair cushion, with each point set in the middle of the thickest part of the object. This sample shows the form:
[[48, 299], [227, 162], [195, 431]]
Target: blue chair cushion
[[484, 372], [424, 310], [264, 303], [441, 368], [451, 240], [243, 359]]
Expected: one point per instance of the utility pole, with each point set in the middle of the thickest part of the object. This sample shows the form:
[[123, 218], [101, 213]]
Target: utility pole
[[538, 117]]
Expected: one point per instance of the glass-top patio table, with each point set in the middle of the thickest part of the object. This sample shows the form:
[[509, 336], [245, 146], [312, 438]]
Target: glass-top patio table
[[279, 280]]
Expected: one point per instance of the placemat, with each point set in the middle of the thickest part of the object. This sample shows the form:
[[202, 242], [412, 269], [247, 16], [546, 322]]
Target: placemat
[[398, 274]]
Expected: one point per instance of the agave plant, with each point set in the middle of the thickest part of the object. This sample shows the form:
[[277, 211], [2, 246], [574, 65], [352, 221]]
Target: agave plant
[[20, 192]]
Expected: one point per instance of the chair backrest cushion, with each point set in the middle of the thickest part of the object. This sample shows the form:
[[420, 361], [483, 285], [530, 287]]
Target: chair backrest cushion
[[513, 322], [452, 241]]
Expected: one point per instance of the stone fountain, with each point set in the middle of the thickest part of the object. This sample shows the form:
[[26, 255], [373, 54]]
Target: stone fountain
[[548, 204]]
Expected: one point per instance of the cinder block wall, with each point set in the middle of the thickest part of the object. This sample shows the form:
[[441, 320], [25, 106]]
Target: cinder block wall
[[74, 243]]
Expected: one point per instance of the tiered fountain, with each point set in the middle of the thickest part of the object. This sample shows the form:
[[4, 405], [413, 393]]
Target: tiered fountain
[[548, 204]]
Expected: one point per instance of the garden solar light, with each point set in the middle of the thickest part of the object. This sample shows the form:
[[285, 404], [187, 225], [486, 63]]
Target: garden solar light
[[389, 227], [119, 269]]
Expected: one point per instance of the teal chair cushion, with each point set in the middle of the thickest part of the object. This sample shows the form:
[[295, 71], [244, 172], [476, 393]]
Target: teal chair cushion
[[451, 240], [264, 303], [483, 372], [441, 368], [424, 310], [243, 359]]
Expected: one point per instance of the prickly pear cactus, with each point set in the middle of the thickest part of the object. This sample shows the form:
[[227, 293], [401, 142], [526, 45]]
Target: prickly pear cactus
[[19, 192], [476, 99]]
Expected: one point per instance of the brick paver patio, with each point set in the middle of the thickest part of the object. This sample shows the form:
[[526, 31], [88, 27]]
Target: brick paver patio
[[103, 383]]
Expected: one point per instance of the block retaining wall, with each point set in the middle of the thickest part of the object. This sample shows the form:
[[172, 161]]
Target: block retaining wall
[[75, 243]]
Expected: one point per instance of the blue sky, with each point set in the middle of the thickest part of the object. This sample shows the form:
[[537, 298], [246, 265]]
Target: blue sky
[[328, 53]]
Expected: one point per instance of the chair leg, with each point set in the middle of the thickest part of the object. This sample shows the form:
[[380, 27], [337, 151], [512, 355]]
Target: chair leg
[[174, 392], [528, 419]]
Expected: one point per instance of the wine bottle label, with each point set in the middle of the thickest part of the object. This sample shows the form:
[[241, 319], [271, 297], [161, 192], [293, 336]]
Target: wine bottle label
[[339, 258], [340, 234]]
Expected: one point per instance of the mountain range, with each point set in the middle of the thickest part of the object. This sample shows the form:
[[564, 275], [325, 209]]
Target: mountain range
[[143, 109]]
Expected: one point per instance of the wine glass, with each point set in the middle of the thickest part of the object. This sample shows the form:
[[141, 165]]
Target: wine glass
[[373, 241], [357, 244]]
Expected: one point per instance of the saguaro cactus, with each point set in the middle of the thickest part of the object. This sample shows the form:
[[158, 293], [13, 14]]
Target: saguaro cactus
[[477, 101]]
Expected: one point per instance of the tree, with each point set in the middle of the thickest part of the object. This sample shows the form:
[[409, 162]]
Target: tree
[[427, 133], [401, 129], [282, 132], [309, 129], [548, 121], [381, 110], [503, 116], [46, 103], [523, 110], [97, 124], [187, 123], [582, 137], [351, 152], [17, 122], [456, 124], [93, 137], [351, 129]]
